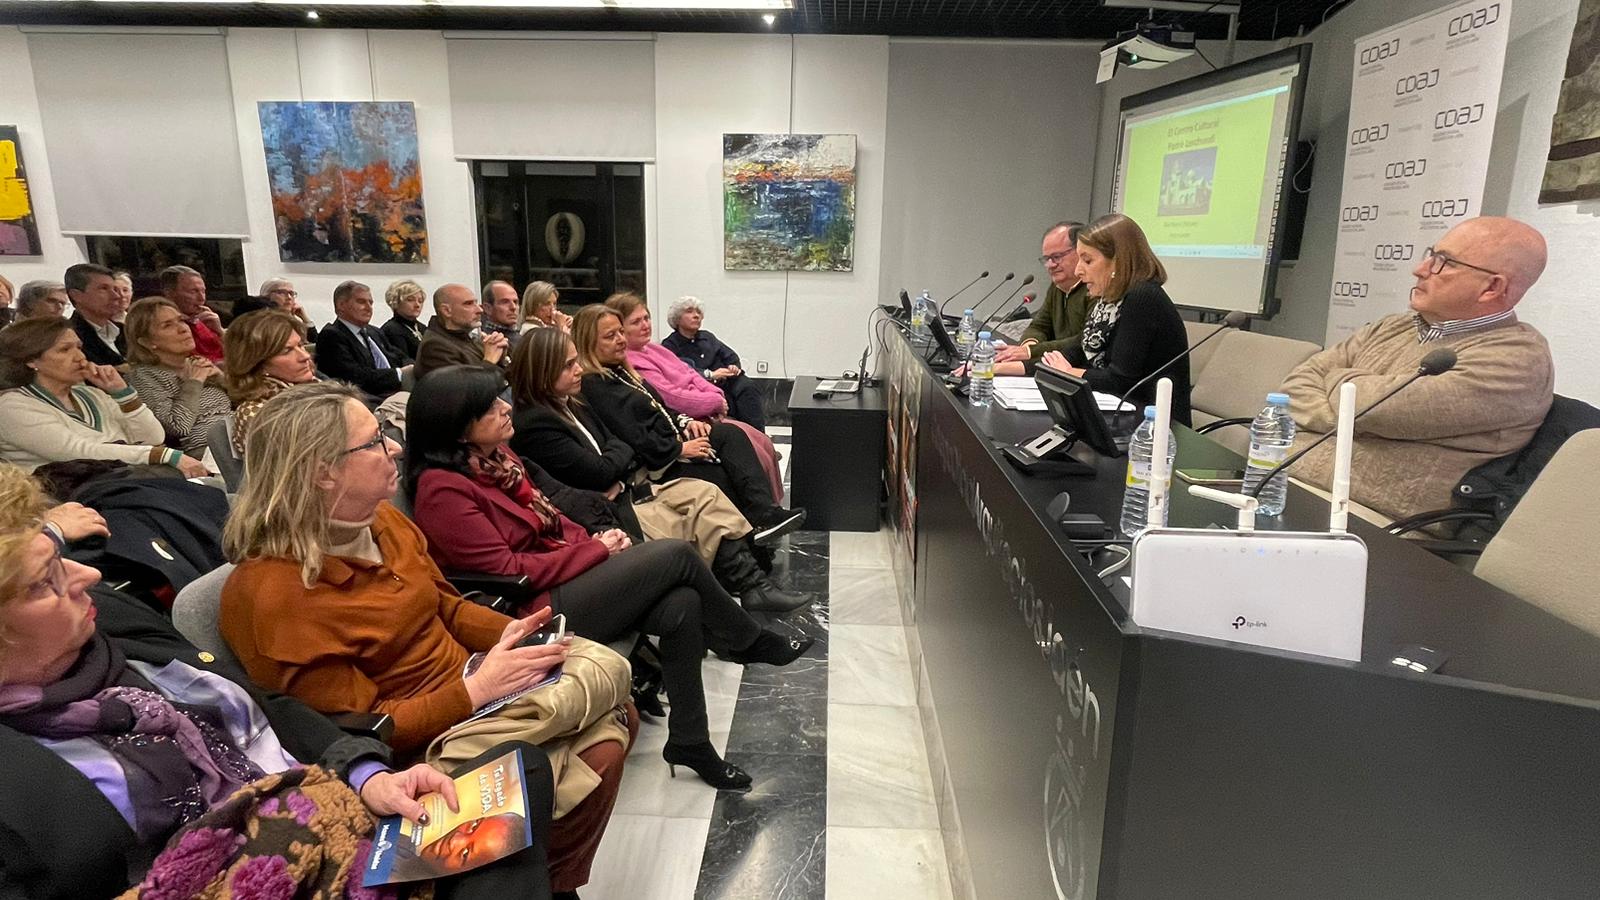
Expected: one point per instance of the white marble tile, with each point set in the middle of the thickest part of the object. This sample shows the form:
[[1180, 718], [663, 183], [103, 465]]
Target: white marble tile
[[878, 768], [647, 787], [859, 549], [862, 596], [648, 858], [868, 664], [886, 864]]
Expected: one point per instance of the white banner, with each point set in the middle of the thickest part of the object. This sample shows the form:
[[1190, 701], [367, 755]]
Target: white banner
[[1422, 111]]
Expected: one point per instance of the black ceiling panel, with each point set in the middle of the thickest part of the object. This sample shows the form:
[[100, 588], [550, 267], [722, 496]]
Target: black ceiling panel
[[1083, 19]]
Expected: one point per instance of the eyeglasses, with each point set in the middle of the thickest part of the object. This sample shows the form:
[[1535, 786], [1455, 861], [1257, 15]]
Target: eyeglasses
[[284, 291], [1437, 260], [54, 582], [1053, 258], [382, 440]]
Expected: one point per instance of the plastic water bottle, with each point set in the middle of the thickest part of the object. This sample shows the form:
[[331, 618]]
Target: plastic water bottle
[[1271, 434], [966, 334], [1136, 494], [980, 390], [920, 334]]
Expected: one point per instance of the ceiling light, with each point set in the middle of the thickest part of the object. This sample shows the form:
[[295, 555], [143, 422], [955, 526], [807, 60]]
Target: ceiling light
[[503, 4], [312, 15], [769, 18]]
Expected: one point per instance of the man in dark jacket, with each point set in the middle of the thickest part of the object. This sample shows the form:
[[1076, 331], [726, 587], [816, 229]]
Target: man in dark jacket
[[350, 349], [450, 339], [95, 305]]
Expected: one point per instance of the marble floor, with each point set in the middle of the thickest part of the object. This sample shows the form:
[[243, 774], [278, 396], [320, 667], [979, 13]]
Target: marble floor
[[842, 805]]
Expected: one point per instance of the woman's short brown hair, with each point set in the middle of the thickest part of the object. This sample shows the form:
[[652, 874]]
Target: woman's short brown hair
[[1121, 240], [252, 340], [24, 341], [623, 303], [137, 326], [586, 333], [537, 294], [536, 365]]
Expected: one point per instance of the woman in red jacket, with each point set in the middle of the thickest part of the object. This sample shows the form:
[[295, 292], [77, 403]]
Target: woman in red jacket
[[480, 511]]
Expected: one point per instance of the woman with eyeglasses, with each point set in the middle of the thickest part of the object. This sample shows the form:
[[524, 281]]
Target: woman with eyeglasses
[[119, 736], [264, 354]]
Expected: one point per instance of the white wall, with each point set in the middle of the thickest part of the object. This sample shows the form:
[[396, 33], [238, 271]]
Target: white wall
[[990, 142], [707, 85], [19, 106]]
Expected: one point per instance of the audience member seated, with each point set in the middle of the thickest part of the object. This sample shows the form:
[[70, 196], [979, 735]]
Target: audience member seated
[[502, 312], [7, 295], [41, 300], [668, 444], [184, 390], [48, 414], [405, 299], [96, 305], [1411, 451], [715, 361], [680, 387], [266, 356], [1133, 328], [1059, 322], [119, 735], [124, 282], [187, 288], [539, 308], [556, 430], [480, 512], [352, 350], [278, 293], [453, 339], [335, 601]]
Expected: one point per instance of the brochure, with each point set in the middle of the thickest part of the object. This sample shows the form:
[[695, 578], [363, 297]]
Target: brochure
[[492, 824]]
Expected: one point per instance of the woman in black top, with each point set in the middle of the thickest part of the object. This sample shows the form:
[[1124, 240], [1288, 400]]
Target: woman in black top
[[667, 444], [1133, 329], [404, 329]]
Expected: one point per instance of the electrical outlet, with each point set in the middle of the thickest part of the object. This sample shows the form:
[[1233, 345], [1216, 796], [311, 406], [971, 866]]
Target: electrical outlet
[[761, 367]]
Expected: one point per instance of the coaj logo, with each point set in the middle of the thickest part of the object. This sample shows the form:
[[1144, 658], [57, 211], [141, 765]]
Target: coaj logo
[[1419, 82], [1359, 213], [1394, 252], [1478, 18], [1369, 135], [1452, 118], [1405, 168], [1379, 52], [1350, 288], [1445, 209]]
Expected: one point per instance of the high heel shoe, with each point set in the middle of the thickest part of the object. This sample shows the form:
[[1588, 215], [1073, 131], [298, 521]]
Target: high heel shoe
[[771, 648], [703, 760]]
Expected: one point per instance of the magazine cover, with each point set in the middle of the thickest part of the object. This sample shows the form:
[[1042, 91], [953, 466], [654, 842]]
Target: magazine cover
[[492, 824]]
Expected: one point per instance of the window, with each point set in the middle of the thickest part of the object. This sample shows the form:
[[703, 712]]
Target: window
[[220, 260]]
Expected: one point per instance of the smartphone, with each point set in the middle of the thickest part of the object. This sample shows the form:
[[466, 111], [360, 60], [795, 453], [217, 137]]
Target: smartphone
[[1212, 477], [553, 633]]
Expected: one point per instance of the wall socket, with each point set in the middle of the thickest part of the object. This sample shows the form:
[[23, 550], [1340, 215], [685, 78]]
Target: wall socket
[[761, 367]]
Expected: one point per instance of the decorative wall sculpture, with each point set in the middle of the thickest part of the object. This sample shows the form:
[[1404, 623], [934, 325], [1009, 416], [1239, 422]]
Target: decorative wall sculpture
[[1573, 172], [346, 181], [789, 201], [19, 234]]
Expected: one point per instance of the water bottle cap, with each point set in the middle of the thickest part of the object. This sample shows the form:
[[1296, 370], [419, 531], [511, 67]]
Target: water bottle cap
[[969, 312], [983, 335], [1149, 412], [1278, 399]]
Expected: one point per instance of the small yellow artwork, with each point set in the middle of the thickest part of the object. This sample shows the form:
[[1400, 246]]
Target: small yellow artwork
[[19, 235]]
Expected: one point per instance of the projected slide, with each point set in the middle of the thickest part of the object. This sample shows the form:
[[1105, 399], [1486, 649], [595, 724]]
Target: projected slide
[[1200, 168]]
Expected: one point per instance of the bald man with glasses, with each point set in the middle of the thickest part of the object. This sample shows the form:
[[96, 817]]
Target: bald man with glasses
[[1411, 451]]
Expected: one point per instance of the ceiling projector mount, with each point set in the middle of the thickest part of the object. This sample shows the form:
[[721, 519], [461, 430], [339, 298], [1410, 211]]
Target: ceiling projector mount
[[1150, 45]]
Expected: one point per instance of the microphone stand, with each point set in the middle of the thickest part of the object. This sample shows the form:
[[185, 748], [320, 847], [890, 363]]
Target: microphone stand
[[966, 364], [960, 292]]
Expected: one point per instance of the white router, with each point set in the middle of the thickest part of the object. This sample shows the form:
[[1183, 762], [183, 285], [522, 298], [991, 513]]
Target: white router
[[1299, 591]]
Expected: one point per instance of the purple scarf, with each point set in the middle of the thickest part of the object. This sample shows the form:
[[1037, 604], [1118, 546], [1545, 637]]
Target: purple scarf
[[178, 759]]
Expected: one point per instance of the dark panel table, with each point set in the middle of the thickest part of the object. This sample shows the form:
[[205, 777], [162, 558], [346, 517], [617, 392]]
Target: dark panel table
[[837, 464], [1077, 755]]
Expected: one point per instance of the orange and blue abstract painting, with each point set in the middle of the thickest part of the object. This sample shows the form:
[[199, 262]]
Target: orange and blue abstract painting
[[346, 181], [789, 202], [19, 233]]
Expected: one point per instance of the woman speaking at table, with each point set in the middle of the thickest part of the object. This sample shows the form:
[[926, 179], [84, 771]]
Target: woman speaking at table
[[1133, 328]]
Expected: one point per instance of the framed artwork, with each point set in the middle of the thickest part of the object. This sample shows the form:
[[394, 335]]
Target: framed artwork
[[346, 181], [789, 202], [19, 233], [1573, 169]]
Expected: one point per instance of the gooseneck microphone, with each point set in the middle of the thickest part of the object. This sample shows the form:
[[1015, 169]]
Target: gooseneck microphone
[[985, 298], [981, 276], [966, 364], [1435, 363], [1235, 319], [1004, 304]]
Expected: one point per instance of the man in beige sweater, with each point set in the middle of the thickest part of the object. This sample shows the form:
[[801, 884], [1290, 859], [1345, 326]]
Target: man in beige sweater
[[1411, 451]]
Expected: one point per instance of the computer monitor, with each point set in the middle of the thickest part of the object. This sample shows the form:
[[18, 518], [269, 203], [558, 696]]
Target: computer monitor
[[1077, 417], [942, 339]]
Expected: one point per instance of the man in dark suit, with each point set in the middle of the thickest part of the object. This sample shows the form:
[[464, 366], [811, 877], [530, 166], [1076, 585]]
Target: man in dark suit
[[95, 305], [350, 349]]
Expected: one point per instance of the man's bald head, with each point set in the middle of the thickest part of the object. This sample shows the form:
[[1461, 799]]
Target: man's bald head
[[1486, 265], [458, 306], [1512, 248]]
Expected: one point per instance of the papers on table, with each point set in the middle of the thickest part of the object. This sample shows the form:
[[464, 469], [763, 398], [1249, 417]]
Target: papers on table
[[1107, 402], [1018, 392]]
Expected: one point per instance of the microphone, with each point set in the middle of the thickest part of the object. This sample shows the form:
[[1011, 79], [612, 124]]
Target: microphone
[[985, 298], [1437, 362], [1021, 309], [966, 364], [981, 276], [1004, 303], [1235, 319]]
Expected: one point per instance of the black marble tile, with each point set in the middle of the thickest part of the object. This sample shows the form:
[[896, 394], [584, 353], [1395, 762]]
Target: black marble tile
[[785, 716], [769, 843]]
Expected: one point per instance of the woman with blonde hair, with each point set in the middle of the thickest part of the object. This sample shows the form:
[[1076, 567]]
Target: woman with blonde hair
[[539, 308], [336, 602], [183, 389], [7, 293], [1133, 328], [264, 355], [404, 329]]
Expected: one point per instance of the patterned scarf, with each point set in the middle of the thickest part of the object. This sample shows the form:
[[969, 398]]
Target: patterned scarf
[[503, 469], [1097, 330]]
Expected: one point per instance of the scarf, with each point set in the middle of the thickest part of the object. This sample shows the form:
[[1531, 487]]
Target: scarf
[[1097, 331], [503, 469], [178, 759]]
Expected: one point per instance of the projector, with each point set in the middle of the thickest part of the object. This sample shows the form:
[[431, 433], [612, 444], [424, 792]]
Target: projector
[[1148, 46]]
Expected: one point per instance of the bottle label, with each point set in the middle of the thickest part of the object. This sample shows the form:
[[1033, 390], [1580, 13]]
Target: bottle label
[[1138, 473], [916, 318], [1266, 457]]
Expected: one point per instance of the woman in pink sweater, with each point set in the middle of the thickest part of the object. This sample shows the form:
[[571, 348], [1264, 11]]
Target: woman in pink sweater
[[683, 389]]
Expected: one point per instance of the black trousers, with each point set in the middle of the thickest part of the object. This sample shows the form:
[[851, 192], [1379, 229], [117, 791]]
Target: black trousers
[[744, 401], [738, 474], [663, 589], [525, 873]]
